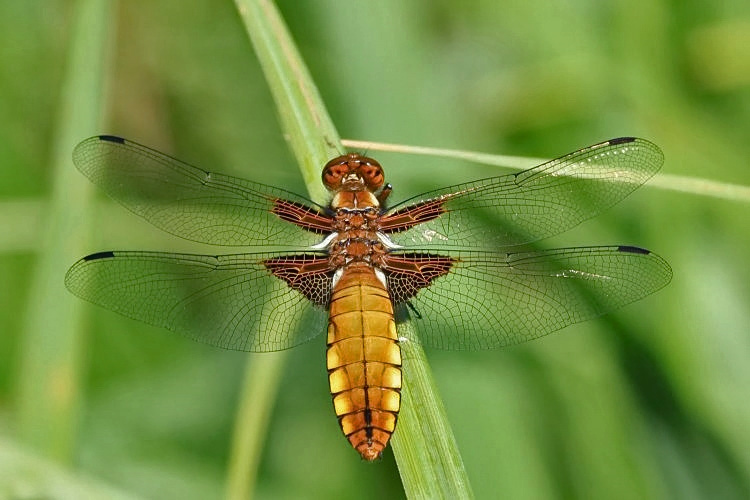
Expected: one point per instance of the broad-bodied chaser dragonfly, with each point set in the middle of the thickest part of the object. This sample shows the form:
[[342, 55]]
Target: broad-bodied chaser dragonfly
[[449, 259]]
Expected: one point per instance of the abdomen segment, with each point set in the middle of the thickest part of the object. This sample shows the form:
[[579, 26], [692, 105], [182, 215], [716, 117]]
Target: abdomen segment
[[364, 361]]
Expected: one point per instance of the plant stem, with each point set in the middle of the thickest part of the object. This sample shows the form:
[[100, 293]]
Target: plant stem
[[427, 455], [51, 360], [313, 139], [426, 451]]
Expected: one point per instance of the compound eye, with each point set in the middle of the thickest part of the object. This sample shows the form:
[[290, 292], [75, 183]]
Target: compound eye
[[373, 175], [332, 175]]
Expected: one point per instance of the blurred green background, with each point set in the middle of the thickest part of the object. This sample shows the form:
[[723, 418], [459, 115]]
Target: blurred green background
[[648, 402]]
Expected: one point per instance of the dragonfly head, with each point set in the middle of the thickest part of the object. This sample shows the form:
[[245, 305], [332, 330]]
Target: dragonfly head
[[353, 172]]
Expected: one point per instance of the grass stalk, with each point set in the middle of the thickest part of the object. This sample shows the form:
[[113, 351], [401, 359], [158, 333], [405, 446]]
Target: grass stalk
[[314, 140], [24, 474], [669, 182], [48, 385], [426, 451], [262, 376]]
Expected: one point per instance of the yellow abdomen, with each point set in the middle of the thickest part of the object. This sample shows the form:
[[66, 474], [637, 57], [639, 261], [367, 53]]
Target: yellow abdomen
[[364, 360]]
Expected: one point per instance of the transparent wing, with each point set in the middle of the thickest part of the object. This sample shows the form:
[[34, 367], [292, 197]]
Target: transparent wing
[[197, 205], [527, 206], [230, 301], [489, 300]]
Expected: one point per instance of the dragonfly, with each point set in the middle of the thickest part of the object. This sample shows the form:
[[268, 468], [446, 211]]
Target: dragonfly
[[455, 261]]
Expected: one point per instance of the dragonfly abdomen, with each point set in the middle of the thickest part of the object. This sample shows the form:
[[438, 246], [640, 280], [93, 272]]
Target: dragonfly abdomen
[[364, 360]]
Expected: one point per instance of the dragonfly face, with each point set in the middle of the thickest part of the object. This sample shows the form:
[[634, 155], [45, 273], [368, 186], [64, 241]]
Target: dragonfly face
[[451, 255], [353, 172]]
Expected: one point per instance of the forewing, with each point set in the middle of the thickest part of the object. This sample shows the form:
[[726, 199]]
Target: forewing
[[230, 301], [489, 300], [530, 205], [195, 204]]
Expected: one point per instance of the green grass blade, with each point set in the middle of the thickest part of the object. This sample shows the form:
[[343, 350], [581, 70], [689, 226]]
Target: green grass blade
[[21, 220], [314, 140], [515, 162], [304, 119], [426, 451], [669, 182], [48, 388], [24, 474], [261, 383]]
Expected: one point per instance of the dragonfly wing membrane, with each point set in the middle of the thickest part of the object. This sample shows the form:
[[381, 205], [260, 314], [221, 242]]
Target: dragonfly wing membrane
[[230, 301], [527, 206], [195, 204], [490, 300]]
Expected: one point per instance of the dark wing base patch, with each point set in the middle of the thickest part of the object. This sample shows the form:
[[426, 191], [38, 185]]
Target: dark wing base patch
[[308, 274], [408, 273]]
